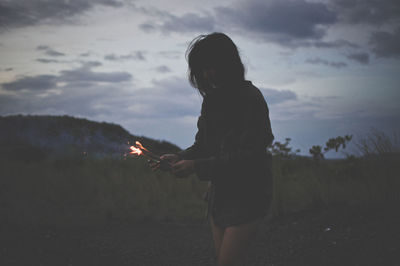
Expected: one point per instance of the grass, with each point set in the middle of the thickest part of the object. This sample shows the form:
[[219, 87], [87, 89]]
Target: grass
[[302, 183], [95, 191], [89, 191]]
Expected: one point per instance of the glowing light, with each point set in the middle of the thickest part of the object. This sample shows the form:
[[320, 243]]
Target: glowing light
[[135, 150], [140, 146]]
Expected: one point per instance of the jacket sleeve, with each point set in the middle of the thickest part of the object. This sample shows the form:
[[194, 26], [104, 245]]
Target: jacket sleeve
[[195, 151], [252, 136]]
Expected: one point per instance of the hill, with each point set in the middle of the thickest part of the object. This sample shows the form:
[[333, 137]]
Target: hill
[[31, 138]]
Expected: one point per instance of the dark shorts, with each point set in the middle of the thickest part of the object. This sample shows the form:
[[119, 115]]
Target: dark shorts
[[225, 220], [233, 214]]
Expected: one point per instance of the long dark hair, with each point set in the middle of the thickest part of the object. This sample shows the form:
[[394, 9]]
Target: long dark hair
[[217, 51]]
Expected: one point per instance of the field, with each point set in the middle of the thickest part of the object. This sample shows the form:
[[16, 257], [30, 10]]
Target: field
[[73, 210], [89, 191]]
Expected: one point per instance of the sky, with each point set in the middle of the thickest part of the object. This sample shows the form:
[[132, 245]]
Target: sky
[[326, 68]]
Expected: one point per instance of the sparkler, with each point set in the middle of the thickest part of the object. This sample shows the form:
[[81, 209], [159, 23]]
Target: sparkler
[[138, 149]]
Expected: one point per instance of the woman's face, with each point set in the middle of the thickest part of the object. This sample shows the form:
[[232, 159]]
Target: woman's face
[[210, 76]]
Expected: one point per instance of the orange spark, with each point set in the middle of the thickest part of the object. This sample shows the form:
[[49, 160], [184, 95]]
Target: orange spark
[[140, 146], [135, 150]]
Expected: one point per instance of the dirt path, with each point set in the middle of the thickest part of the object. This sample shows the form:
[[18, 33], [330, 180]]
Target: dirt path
[[338, 236]]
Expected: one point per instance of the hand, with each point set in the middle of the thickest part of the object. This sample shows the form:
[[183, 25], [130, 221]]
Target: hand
[[183, 168], [162, 165], [165, 164], [171, 158]]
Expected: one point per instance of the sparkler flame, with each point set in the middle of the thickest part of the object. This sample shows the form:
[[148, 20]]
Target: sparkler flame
[[135, 150], [138, 149], [140, 146]]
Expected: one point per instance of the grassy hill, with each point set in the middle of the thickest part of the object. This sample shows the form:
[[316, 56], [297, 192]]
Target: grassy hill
[[33, 138]]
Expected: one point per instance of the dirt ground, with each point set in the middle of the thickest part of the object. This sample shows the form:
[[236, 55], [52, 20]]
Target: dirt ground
[[338, 235]]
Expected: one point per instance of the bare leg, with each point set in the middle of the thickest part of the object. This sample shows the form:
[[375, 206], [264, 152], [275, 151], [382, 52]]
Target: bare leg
[[236, 240], [218, 234]]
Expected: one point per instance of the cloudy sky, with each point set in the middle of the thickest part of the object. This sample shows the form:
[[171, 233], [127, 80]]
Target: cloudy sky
[[326, 68]]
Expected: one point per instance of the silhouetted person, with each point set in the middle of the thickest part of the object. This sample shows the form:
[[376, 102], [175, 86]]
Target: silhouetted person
[[230, 148]]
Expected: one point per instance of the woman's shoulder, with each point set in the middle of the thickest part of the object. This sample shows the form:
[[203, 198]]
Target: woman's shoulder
[[243, 93], [252, 93]]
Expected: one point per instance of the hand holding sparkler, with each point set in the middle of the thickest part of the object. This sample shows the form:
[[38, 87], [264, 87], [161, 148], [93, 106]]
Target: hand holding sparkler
[[178, 167], [166, 158], [160, 165], [166, 162], [156, 162]]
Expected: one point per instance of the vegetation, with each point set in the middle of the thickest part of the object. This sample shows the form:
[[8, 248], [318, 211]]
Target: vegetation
[[282, 149], [331, 144], [23, 137], [95, 191], [82, 190], [378, 143]]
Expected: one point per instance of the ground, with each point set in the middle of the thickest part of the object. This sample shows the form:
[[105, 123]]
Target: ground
[[337, 235]]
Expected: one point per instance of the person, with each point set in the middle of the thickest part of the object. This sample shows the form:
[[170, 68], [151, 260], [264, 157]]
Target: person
[[230, 147]]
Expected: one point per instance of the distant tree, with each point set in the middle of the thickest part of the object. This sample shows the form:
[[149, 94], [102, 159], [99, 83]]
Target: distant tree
[[332, 143], [377, 142], [316, 152], [335, 143], [283, 149]]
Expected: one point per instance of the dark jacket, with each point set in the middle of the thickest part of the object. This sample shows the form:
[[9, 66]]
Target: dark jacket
[[230, 148]]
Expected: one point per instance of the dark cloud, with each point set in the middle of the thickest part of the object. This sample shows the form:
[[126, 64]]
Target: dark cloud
[[334, 44], [148, 27], [361, 57], [138, 55], [82, 76], [386, 44], [163, 69], [189, 22], [8, 69], [79, 92], [282, 21], [319, 99], [42, 47], [87, 64], [287, 22], [40, 82], [320, 61], [85, 54], [73, 99], [273, 96], [49, 51], [20, 13], [85, 74], [170, 98], [90, 64], [170, 54], [47, 61], [374, 12]]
